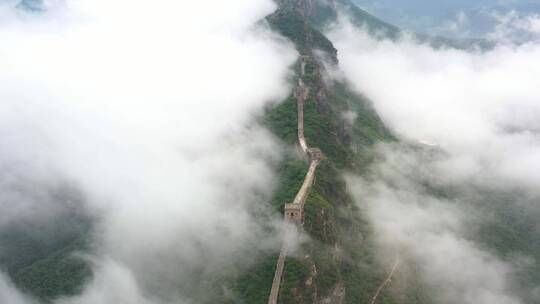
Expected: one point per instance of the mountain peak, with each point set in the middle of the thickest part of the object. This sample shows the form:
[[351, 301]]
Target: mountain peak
[[321, 13]]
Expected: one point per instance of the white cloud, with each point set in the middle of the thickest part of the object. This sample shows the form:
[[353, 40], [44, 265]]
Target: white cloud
[[481, 109], [9, 294], [514, 27], [459, 26], [478, 106], [114, 283], [147, 107], [431, 231]]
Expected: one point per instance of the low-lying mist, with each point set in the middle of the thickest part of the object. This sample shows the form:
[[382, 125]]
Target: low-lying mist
[[147, 109], [459, 194]]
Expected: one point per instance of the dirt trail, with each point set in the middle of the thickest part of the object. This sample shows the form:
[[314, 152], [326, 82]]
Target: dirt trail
[[386, 282]]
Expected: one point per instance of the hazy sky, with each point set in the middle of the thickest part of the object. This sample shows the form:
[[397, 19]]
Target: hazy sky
[[447, 17]]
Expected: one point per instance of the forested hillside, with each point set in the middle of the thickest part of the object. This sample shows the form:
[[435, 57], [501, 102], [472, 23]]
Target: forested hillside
[[337, 258]]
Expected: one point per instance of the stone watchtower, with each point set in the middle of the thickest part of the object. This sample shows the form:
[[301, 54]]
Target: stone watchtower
[[294, 213], [314, 154]]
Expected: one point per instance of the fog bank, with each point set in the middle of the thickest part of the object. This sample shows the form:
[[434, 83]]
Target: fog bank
[[469, 132], [147, 108]]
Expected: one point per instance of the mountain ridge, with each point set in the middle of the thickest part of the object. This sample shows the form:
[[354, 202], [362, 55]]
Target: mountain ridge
[[338, 263], [330, 270]]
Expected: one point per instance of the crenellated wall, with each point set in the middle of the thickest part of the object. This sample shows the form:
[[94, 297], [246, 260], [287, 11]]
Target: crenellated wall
[[294, 212]]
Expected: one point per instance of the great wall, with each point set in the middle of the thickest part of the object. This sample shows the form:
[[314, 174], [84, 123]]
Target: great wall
[[294, 212]]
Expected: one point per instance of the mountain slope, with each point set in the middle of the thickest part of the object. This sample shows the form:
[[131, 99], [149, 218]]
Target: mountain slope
[[321, 13], [40, 254], [337, 264]]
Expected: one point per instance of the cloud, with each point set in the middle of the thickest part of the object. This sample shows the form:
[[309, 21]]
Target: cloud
[[9, 294], [478, 106], [432, 232], [480, 109], [114, 283], [147, 108], [514, 26], [458, 26]]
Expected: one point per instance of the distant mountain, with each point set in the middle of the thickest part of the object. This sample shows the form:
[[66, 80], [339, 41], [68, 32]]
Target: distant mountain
[[320, 13], [339, 263], [455, 18], [31, 5]]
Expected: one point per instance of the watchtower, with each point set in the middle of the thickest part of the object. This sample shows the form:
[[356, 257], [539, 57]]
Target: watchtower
[[294, 213], [314, 154]]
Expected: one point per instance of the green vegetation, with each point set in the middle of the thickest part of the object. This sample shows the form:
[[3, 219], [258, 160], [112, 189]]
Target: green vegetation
[[249, 281], [306, 38], [332, 219], [505, 225], [340, 251], [293, 287], [326, 128], [318, 219], [366, 130], [322, 14], [40, 255], [282, 120], [59, 273], [322, 131], [253, 286], [291, 177], [510, 232]]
